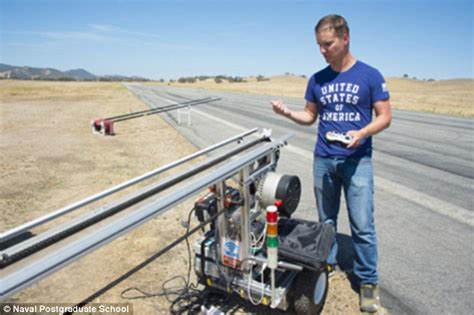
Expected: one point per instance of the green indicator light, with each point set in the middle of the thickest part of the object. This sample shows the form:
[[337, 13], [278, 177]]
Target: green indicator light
[[272, 241]]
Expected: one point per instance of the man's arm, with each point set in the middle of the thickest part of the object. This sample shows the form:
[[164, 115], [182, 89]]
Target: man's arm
[[382, 121], [306, 117]]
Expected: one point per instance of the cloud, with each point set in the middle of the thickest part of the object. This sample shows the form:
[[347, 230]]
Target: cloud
[[238, 30], [102, 28], [64, 35], [100, 33], [24, 45]]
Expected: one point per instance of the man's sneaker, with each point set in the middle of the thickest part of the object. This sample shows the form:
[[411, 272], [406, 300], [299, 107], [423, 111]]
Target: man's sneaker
[[369, 298], [331, 269]]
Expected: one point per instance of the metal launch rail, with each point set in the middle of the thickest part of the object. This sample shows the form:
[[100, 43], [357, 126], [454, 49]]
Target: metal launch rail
[[105, 126], [57, 213]]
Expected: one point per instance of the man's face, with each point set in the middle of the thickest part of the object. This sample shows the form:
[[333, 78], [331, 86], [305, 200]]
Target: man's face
[[332, 47]]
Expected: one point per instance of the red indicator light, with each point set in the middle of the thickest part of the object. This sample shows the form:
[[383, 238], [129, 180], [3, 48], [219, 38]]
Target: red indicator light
[[272, 217]]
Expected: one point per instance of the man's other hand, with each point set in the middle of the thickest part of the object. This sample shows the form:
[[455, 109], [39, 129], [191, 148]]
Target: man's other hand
[[280, 108]]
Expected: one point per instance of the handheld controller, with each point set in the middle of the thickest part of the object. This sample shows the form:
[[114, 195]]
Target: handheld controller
[[337, 137]]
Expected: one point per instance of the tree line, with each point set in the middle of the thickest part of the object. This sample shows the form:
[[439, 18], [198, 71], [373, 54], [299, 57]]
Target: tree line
[[218, 79]]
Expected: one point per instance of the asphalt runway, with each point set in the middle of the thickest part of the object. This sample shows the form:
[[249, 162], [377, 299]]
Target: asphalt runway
[[423, 196]]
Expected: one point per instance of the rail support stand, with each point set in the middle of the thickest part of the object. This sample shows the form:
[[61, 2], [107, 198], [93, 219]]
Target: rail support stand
[[186, 110]]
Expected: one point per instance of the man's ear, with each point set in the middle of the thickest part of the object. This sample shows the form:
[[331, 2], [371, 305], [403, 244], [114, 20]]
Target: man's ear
[[345, 38]]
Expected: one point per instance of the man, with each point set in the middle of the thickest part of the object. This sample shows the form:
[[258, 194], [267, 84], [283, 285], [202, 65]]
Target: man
[[343, 95]]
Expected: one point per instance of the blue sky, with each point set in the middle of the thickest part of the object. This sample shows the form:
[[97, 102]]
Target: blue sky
[[170, 39]]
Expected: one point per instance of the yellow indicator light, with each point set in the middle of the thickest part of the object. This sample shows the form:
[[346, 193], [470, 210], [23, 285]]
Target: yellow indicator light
[[272, 229]]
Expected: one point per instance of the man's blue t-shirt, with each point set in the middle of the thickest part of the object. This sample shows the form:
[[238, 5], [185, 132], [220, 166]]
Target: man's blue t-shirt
[[345, 102]]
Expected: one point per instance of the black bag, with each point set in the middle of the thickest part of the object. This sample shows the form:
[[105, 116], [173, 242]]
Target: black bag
[[305, 242]]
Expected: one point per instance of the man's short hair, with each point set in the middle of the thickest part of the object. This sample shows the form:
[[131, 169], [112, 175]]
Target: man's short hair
[[333, 22]]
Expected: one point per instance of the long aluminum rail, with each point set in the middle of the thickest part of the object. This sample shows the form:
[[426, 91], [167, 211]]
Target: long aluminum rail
[[105, 126], [46, 218], [167, 108], [30, 273], [158, 108], [38, 242]]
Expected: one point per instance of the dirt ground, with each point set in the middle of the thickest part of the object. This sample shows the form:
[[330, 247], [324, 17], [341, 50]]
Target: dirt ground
[[50, 158]]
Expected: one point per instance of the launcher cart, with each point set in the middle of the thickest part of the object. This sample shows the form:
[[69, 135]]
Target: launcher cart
[[253, 247]]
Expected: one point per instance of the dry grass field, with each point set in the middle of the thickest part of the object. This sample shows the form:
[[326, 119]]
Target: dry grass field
[[451, 97], [50, 158]]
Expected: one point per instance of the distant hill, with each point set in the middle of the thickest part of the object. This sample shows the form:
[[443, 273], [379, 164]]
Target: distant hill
[[30, 73], [80, 74]]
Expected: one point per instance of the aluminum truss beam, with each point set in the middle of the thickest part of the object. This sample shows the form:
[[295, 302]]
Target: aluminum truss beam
[[55, 214], [45, 239]]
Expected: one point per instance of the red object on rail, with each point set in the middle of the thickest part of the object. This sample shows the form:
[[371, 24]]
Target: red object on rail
[[108, 128]]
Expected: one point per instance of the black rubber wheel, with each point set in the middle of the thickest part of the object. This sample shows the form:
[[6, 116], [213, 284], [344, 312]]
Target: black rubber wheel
[[310, 291]]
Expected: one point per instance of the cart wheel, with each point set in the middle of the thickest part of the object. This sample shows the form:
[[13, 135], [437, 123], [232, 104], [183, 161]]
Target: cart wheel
[[310, 291]]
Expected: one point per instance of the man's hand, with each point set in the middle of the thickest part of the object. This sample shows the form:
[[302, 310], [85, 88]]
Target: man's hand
[[280, 108], [303, 117], [383, 117], [357, 137]]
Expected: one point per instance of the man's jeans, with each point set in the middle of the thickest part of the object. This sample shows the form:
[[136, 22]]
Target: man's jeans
[[355, 175]]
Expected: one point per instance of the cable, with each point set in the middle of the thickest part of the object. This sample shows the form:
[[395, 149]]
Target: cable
[[188, 298], [184, 292], [261, 239], [146, 262], [249, 293]]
